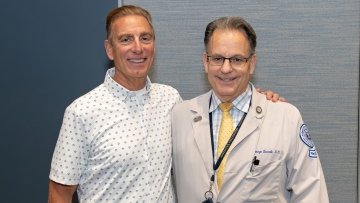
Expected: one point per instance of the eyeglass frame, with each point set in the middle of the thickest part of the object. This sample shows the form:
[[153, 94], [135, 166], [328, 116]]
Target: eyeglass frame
[[243, 60]]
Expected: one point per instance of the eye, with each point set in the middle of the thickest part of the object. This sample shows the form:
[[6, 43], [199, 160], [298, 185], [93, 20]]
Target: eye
[[217, 58], [237, 59], [126, 39], [146, 38]]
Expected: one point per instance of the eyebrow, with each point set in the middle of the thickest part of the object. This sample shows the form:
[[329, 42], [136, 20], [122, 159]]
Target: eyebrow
[[234, 56], [132, 35]]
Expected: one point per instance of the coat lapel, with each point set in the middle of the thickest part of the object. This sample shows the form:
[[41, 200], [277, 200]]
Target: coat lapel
[[253, 118], [201, 127]]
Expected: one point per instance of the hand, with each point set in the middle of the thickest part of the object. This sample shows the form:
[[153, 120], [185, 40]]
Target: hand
[[270, 95]]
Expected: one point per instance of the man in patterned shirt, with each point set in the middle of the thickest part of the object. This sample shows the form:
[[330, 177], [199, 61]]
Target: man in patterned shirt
[[115, 144], [115, 141]]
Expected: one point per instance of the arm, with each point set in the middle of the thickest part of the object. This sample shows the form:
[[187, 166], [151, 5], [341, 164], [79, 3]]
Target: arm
[[306, 179], [69, 158], [59, 193]]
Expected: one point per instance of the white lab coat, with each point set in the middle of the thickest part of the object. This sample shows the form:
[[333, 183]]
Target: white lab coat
[[289, 169]]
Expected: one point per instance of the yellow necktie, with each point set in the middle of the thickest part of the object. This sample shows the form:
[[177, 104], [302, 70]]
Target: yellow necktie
[[226, 129]]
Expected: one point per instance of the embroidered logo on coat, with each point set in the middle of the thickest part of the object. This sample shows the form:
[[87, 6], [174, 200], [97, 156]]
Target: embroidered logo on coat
[[305, 136]]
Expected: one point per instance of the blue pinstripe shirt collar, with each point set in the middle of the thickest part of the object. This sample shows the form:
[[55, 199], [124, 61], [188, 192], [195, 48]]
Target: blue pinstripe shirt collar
[[242, 102]]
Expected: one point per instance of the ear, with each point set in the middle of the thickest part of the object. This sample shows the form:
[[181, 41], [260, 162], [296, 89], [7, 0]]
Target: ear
[[109, 49], [205, 62], [154, 49], [252, 64]]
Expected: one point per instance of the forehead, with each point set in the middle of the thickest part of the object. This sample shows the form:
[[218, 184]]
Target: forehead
[[229, 42], [131, 24]]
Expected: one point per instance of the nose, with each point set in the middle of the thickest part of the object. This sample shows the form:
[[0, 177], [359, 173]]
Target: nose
[[226, 66], [137, 46]]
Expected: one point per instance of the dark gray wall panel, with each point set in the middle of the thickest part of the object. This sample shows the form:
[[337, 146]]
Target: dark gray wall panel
[[51, 52], [308, 51]]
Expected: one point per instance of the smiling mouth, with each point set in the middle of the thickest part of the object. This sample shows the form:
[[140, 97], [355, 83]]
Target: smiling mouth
[[141, 60], [226, 79]]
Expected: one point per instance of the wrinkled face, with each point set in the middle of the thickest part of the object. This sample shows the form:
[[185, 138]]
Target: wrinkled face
[[227, 81], [131, 46]]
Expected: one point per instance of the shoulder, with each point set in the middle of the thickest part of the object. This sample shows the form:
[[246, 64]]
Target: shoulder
[[163, 89], [87, 100], [165, 92], [279, 106], [283, 111], [284, 107], [275, 109], [199, 103]]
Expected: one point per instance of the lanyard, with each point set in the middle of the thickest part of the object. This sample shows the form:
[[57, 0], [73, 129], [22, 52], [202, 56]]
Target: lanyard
[[208, 194], [227, 146]]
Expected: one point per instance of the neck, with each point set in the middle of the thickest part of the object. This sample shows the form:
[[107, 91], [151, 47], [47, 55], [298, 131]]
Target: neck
[[132, 84]]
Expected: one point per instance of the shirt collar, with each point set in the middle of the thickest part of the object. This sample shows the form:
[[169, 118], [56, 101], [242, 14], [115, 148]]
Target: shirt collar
[[242, 102], [120, 91]]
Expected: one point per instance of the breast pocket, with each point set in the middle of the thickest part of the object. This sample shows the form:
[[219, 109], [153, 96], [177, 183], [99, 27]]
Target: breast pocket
[[262, 183]]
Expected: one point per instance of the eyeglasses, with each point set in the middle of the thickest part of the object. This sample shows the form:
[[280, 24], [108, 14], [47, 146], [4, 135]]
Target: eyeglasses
[[235, 61]]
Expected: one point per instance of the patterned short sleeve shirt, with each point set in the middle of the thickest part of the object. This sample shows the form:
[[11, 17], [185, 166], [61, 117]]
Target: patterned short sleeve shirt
[[115, 144]]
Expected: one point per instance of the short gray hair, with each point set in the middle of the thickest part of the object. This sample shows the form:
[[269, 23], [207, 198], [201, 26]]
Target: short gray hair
[[231, 23]]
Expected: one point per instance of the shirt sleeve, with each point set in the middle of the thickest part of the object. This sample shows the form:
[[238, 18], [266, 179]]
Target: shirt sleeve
[[71, 150], [306, 180]]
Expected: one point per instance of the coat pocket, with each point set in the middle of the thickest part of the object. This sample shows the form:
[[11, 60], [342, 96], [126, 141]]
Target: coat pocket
[[262, 183]]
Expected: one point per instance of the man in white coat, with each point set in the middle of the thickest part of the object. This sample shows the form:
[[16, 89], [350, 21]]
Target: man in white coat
[[268, 155]]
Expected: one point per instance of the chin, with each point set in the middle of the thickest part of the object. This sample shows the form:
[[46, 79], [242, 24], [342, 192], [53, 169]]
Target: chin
[[140, 72], [226, 91]]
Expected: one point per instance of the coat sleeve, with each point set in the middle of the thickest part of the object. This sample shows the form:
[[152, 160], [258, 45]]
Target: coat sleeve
[[306, 181]]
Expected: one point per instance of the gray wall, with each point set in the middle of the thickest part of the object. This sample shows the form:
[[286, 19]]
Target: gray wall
[[308, 51], [51, 52]]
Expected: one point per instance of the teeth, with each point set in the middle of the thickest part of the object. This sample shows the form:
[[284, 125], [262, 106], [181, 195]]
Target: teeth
[[137, 60], [227, 79]]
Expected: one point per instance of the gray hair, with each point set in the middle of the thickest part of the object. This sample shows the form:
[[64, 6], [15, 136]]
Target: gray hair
[[124, 11], [231, 23]]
